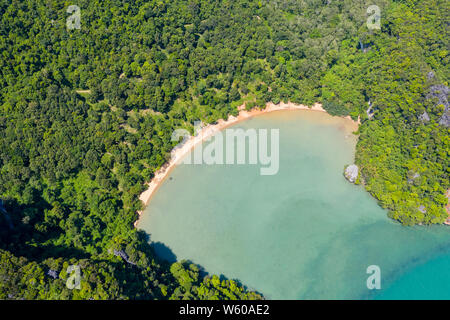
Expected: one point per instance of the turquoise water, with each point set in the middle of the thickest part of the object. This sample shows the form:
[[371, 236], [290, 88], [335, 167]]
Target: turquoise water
[[426, 281], [304, 233]]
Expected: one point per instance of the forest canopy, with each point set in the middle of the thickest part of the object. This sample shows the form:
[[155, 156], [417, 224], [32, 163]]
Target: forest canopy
[[86, 117]]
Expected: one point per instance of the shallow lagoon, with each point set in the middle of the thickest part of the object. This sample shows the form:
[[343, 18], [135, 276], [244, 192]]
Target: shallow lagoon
[[304, 233]]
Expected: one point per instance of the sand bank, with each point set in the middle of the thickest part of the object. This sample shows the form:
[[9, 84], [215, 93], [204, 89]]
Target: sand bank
[[181, 150]]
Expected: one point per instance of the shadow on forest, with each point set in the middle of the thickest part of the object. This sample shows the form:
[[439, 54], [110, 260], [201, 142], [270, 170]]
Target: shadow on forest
[[163, 252], [16, 235], [159, 250]]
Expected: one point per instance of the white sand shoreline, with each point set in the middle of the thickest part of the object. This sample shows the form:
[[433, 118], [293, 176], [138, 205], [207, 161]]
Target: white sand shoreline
[[179, 152]]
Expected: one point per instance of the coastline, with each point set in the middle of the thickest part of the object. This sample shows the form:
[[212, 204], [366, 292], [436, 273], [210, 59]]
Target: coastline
[[447, 221], [181, 150]]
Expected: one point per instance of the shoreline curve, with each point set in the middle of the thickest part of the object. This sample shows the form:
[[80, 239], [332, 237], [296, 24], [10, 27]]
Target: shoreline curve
[[209, 130]]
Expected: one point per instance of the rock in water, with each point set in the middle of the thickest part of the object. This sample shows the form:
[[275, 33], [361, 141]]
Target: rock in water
[[351, 173]]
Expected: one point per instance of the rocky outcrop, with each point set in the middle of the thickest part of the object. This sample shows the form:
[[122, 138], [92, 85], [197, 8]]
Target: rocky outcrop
[[369, 111], [424, 117], [440, 93], [53, 273], [123, 255], [422, 209], [412, 176], [351, 173]]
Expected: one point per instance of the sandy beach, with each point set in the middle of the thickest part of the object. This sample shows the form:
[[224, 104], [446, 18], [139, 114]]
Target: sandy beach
[[180, 151]]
